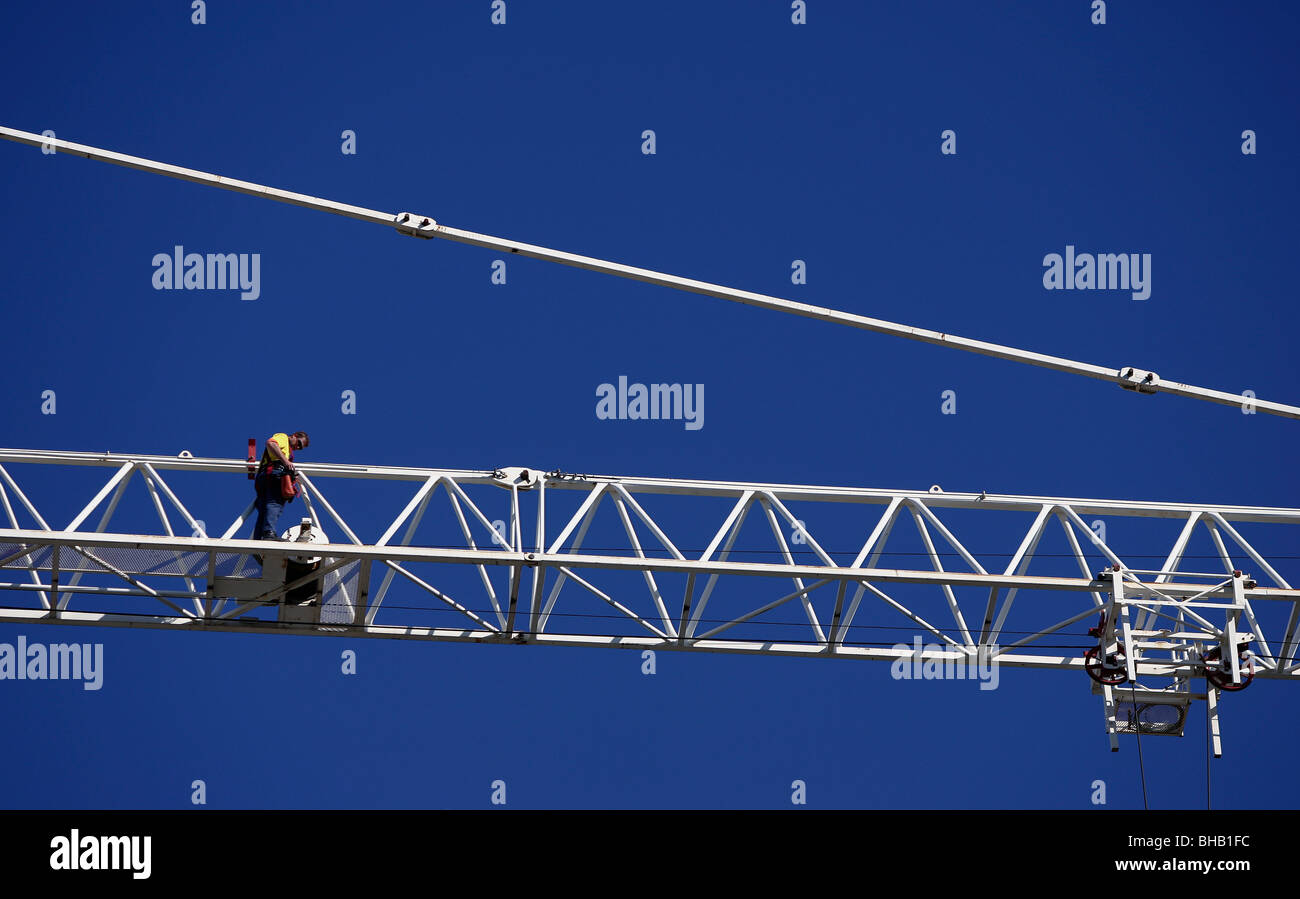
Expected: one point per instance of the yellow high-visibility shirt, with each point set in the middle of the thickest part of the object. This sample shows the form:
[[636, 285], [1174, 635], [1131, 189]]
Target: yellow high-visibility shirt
[[281, 442]]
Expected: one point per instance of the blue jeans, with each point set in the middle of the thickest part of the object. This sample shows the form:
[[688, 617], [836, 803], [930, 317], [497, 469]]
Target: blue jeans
[[269, 504]]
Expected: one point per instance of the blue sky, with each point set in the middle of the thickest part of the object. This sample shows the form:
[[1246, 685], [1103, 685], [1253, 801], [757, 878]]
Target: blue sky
[[774, 142]]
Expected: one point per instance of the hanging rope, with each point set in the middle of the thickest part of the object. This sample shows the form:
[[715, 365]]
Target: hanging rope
[[1137, 729], [1209, 738]]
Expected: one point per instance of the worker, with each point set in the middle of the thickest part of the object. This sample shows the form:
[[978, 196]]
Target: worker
[[276, 481]]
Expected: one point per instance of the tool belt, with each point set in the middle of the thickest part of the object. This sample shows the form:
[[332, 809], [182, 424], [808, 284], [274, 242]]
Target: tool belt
[[273, 481]]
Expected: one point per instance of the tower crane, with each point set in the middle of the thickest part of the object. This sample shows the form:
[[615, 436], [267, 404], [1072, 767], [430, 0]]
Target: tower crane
[[1163, 636]]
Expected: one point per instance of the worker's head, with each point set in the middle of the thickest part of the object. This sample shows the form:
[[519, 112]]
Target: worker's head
[[299, 441]]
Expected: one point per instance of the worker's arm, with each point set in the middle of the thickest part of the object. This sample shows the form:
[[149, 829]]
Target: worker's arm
[[275, 451]]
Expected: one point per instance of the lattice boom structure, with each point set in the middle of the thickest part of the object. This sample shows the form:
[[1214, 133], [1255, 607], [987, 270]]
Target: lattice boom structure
[[509, 558]]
